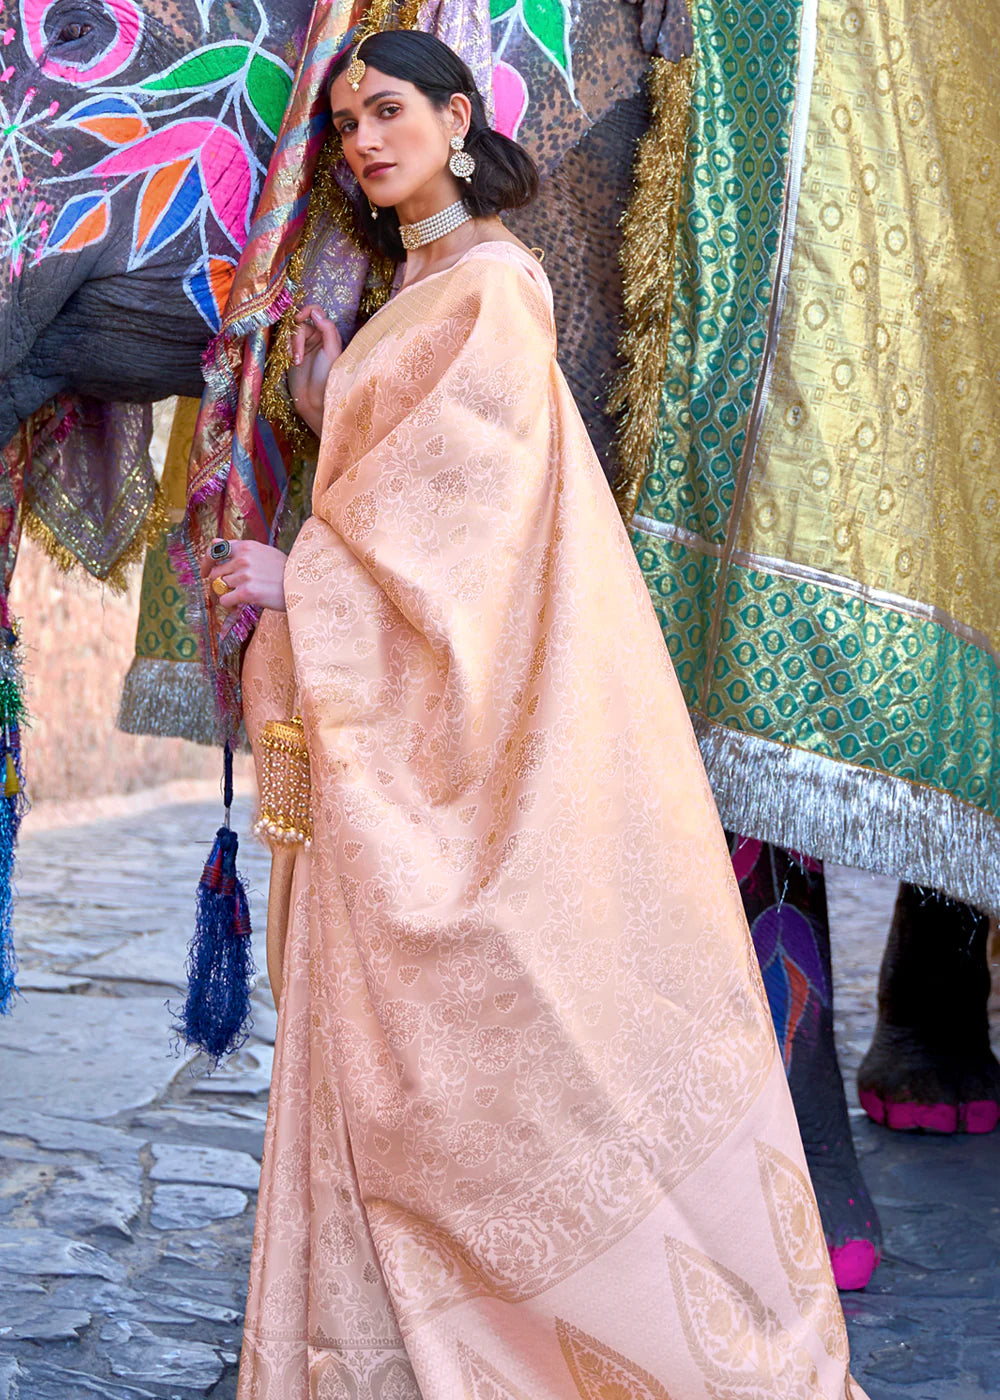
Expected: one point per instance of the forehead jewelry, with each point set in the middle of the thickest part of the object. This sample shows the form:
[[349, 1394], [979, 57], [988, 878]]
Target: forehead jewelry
[[357, 68]]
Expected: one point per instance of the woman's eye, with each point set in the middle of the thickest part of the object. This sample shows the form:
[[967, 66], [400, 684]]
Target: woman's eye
[[71, 32], [346, 128], [389, 110]]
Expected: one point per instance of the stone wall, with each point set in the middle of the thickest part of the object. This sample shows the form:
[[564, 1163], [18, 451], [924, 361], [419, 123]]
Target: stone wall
[[78, 639]]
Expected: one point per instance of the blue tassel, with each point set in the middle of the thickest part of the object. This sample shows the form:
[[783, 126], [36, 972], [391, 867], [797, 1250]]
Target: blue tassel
[[13, 804], [220, 967]]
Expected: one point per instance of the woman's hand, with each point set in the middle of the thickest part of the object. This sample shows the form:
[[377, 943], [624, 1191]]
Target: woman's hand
[[253, 573], [316, 343]]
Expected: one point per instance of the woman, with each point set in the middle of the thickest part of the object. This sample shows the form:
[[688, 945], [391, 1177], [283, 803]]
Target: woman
[[529, 1135]]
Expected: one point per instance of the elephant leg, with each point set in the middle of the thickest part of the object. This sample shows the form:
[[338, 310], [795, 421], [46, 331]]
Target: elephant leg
[[930, 1065], [784, 897]]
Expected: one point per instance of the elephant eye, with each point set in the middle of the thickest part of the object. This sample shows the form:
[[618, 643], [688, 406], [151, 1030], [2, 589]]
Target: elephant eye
[[71, 32]]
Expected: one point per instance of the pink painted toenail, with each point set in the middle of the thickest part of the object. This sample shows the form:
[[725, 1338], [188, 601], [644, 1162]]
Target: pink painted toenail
[[872, 1105], [979, 1116], [930, 1117], [853, 1264]]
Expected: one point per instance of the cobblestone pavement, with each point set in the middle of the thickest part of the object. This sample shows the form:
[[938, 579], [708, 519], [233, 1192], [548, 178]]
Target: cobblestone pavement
[[127, 1176]]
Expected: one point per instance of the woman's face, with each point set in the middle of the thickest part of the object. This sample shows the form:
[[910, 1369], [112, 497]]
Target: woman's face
[[395, 141]]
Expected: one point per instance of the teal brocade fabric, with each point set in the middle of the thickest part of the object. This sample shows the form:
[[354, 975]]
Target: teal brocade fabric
[[727, 245]]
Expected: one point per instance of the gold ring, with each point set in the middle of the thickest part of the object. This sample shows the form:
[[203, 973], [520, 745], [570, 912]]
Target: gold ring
[[219, 586]]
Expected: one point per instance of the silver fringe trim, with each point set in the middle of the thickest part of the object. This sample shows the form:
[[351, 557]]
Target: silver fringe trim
[[169, 699], [853, 816]]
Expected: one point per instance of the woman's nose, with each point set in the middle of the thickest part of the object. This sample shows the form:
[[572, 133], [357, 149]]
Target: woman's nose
[[368, 137]]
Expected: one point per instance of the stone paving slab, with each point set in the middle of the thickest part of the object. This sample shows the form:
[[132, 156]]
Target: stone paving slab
[[127, 1178]]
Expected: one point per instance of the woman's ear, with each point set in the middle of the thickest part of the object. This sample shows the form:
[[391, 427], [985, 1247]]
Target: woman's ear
[[460, 110]]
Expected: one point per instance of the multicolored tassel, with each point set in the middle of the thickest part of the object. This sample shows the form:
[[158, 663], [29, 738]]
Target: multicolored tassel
[[13, 803], [220, 967]]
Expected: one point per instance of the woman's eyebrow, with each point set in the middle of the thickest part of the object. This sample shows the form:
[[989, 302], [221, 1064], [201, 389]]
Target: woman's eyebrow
[[368, 102]]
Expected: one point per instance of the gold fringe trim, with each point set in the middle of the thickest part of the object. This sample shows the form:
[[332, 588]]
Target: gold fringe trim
[[116, 576], [327, 200], [649, 237]]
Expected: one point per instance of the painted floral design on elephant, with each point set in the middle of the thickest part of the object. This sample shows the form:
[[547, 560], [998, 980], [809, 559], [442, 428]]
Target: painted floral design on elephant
[[548, 23], [24, 225], [189, 136]]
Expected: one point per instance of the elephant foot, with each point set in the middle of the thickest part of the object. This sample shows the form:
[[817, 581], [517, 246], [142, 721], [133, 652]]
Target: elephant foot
[[909, 1086], [850, 1222], [784, 896], [930, 1067]]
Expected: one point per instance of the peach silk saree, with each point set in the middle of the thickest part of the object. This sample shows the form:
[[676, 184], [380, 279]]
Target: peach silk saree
[[529, 1134]]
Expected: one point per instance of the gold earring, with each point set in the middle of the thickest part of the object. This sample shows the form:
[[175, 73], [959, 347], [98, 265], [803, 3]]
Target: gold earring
[[460, 163], [374, 209]]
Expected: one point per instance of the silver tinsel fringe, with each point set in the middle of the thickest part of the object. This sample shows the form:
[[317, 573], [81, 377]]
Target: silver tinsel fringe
[[852, 816], [169, 699]]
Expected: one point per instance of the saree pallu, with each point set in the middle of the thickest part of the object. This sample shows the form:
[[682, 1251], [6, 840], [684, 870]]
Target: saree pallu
[[529, 1134]]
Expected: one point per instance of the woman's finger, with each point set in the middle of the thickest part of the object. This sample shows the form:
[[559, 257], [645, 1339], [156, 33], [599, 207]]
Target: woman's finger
[[211, 568], [332, 343], [232, 598]]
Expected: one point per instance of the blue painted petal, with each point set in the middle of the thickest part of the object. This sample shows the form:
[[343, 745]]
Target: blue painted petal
[[104, 107], [177, 213], [197, 286], [72, 212], [778, 998]]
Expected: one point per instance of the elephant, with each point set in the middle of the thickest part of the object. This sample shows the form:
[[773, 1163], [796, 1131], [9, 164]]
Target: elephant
[[131, 263], [116, 204]]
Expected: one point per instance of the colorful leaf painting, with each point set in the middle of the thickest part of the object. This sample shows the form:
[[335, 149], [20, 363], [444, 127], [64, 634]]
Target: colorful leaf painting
[[225, 168], [547, 21], [170, 143], [168, 201], [269, 86], [83, 220], [212, 64], [207, 284], [114, 120], [510, 99]]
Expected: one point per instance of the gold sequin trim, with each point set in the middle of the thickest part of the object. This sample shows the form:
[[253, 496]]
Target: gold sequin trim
[[649, 235]]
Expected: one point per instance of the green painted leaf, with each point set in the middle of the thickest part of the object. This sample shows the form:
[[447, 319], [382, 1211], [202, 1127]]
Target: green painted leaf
[[548, 24], [200, 69], [499, 8], [269, 86]]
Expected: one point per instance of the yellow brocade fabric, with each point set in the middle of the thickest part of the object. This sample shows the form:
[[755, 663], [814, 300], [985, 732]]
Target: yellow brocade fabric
[[529, 1135], [819, 523], [877, 457]]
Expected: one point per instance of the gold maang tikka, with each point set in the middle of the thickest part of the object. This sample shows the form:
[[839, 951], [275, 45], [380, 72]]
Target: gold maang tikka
[[357, 68]]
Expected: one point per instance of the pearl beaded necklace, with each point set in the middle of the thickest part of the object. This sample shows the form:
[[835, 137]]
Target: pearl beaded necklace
[[429, 230]]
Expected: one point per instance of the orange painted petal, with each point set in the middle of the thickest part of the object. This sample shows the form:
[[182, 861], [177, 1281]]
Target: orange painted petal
[[163, 185], [799, 995], [88, 230], [220, 279], [118, 130]]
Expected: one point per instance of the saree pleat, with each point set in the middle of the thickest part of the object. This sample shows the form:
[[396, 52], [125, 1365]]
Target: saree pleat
[[529, 1135]]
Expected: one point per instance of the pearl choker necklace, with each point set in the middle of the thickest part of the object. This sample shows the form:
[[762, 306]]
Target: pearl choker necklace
[[429, 230]]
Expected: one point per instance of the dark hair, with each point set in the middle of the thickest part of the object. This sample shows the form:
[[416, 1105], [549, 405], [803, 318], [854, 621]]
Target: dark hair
[[505, 176]]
